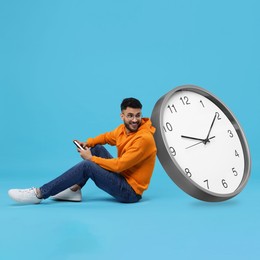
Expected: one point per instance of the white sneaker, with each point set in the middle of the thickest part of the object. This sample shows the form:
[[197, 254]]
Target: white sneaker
[[69, 195], [26, 196]]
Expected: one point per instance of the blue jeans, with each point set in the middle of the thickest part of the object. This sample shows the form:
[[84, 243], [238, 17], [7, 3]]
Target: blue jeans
[[111, 182]]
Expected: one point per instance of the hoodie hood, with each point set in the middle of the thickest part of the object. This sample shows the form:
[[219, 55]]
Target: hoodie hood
[[146, 124]]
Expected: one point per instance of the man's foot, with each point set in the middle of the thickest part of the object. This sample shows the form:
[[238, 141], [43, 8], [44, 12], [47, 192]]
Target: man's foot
[[69, 195], [25, 196]]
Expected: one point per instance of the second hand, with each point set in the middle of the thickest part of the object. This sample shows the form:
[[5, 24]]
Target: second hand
[[199, 142]]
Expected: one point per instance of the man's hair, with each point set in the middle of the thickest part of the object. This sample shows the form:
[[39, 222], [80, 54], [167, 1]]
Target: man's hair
[[130, 102]]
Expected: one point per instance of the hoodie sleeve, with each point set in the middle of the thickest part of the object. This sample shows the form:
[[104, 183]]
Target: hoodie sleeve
[[140, 149], [106, 138]]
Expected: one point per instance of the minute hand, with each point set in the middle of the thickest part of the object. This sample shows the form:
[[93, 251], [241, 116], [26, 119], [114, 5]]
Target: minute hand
[[207, 138]]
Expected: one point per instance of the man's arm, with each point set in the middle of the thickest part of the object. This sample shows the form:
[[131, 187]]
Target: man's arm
[[106, 138], [138, 152]]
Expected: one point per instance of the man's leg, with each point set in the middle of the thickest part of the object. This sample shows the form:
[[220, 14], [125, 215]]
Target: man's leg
[[99, 151], [112, 183]]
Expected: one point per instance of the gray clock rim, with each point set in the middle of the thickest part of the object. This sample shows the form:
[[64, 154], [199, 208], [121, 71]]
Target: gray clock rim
[[172, 167]]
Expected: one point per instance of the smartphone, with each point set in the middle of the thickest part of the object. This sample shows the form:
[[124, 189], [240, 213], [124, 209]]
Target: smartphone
[[78, 145]]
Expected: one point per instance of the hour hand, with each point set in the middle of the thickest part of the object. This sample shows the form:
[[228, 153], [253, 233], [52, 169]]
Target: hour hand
[[193, 138]]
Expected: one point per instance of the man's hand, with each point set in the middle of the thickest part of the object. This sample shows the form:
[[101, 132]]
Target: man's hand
[[83, 144], [85, 154]]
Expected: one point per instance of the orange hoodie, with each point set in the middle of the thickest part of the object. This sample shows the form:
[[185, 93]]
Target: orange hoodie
[[136, 154]]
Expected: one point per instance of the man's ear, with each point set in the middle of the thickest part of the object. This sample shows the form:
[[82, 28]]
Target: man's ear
[[121, 115]]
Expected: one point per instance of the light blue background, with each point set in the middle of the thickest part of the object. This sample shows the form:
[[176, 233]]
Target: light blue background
[[65, 66]]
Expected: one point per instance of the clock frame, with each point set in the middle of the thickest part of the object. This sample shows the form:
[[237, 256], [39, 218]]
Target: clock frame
[[170, 164]]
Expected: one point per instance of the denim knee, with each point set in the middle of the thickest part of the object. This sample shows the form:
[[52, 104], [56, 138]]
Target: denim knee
[[100, 151]]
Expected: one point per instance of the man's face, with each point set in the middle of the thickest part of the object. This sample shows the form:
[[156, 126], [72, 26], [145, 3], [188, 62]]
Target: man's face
[[132, 118]]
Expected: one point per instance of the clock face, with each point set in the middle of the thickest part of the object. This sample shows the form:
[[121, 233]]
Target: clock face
[[203, 141]]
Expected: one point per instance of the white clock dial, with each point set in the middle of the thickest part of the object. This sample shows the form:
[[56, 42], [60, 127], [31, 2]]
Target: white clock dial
[[217, 165], [200, 144]]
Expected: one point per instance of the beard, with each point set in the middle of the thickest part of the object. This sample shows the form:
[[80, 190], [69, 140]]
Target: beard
[[132, 127]]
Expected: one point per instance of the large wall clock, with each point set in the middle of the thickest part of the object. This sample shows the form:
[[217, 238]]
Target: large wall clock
[[200, 144]]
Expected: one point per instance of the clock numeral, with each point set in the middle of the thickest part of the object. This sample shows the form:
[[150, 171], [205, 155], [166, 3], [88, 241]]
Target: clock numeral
[[172, 150], [225, 185], [207, 182], [168, 127], [236, 153], [170, 108], [230, 134], [234, 171], [185, 100], [188, 173], [201, 102], [218, 116]]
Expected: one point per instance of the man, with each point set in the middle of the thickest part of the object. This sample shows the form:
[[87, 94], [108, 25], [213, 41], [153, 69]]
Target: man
[[125, 177]]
